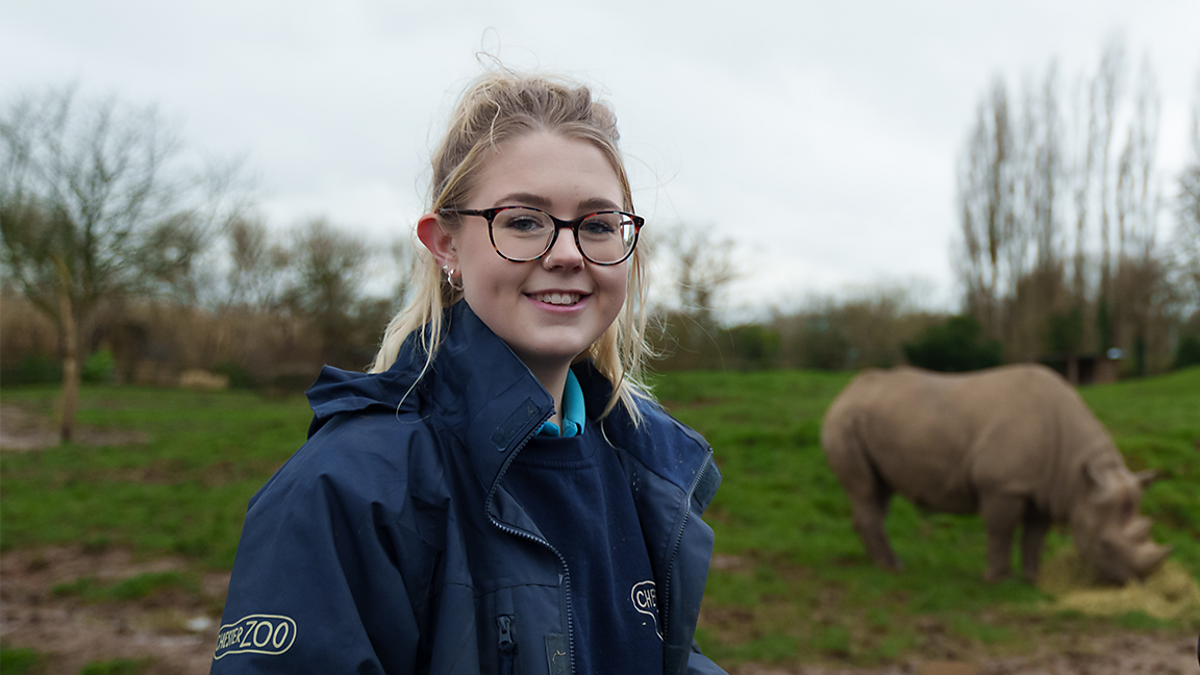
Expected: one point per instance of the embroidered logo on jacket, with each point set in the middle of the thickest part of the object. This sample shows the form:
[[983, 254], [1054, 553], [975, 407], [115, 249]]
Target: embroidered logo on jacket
[[645, 601], [256, 634]]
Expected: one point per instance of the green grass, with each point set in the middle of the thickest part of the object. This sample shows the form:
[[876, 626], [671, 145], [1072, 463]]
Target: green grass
[[184, 491], [116, 667], [20, 661], [781, 513], [133, 588], [791, 584]]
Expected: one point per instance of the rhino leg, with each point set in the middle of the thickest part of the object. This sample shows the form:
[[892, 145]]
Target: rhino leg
[[1033, 536], [869, 493], [1001, 515], [869, 499], [870, 507]]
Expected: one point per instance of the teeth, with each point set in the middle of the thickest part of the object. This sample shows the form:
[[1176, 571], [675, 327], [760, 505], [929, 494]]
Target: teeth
[[559, 298]]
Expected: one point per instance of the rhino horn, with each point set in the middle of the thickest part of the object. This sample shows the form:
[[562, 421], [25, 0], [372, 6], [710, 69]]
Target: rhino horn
[[1148, 558], [1138, 529]]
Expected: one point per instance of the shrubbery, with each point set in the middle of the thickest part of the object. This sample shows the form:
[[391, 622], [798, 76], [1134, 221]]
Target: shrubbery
[[34, 369], [239, 377], [954, 347], [756, 347], [1188, 353], [99, 368]]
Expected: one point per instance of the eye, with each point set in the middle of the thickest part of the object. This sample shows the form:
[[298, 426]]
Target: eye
[[1127, 510], [600, 225], [522, 221]]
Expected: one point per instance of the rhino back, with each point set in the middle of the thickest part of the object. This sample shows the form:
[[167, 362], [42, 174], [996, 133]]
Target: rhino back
[[943, 439]]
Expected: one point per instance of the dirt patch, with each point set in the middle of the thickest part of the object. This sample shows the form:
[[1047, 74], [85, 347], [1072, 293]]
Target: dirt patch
[[174, 630], [22, 430], [1112, 652], [1106, 655]]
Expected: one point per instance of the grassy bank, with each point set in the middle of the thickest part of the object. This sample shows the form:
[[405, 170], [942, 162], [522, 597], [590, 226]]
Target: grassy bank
[[183, 491], [790, 581]]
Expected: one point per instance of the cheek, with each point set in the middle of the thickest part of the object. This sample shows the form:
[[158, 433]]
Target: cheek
[[616, 287], [482, 270]]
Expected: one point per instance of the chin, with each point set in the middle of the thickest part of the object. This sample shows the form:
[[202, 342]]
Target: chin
[[551, 351]]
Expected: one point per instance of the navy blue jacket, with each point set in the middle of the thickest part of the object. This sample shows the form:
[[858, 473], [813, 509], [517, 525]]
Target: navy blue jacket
[[386, 544]]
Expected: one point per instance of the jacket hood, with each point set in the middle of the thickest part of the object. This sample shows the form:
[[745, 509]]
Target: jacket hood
[[337, 390]]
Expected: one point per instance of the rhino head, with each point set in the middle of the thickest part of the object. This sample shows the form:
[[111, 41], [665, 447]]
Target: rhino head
[[1107, 530]]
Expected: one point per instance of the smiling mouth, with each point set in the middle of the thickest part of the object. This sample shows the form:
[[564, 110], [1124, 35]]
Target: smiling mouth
[[563, 299]]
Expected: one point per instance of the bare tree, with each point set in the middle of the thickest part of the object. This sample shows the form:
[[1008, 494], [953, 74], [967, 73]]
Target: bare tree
[[986, 192], [1034, 268], [1186, 242], [700, 268], [403, 261], [257, 265], [1023, 175], [703, 267], [1108, 85], [93, 207], [328, 267], [1081, 178]]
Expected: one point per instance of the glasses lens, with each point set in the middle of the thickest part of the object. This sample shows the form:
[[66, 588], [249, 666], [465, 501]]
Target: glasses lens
[[522, 234], [607, 237]]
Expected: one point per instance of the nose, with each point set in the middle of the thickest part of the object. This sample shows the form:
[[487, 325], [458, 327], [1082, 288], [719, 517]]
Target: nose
[[563, 253]]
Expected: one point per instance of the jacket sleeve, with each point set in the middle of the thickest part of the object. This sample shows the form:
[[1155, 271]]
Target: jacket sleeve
[[699, 664], [332, 571]]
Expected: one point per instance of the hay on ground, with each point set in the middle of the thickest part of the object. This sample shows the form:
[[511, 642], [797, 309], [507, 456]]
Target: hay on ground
[[1168, 594]]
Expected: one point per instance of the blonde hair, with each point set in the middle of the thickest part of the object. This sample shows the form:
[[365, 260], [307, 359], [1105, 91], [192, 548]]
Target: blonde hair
[[497, 107]]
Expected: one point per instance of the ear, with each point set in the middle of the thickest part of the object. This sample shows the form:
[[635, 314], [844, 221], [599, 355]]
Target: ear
[[1093, 472], [435, 238], [1147, 477]]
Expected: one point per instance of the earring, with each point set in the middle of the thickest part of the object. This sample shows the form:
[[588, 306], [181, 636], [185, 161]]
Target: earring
[[450, 279]]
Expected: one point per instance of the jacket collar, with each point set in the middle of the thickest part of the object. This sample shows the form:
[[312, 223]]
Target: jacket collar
[[484, 393], [487, 398]]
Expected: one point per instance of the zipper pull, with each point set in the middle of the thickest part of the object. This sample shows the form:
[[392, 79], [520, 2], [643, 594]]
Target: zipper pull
[[504, 625]]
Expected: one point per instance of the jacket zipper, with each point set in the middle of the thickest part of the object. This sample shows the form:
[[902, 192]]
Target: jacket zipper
[[665, 615], [507, 645], [504, 625], [487, 508]]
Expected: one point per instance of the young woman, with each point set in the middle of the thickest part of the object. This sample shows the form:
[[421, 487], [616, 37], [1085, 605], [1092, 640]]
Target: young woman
[[499, 495]]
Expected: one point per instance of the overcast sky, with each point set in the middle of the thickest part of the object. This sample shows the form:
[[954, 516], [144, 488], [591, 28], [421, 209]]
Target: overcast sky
[[821, 137]]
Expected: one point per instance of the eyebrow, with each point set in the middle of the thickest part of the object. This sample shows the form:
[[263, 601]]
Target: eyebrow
[[530, 199]]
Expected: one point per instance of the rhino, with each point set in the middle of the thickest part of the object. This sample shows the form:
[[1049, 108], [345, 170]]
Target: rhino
[[1016, 444]]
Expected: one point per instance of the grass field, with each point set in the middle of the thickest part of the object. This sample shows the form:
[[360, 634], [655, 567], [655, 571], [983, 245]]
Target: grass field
[[790, 580], [182, 492], [799, 585]]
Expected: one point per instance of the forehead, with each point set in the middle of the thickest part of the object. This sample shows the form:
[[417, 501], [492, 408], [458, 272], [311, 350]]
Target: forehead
[[559, 169]]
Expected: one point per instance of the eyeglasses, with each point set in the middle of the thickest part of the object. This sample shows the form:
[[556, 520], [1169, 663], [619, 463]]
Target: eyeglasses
[[523, 233]]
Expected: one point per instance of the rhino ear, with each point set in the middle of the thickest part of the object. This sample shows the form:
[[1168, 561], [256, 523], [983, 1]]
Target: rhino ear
[[1093, 473], [1148, 477]]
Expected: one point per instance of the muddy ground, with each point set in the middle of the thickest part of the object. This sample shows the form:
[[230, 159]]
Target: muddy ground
[[175, 631], [22, 431]]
